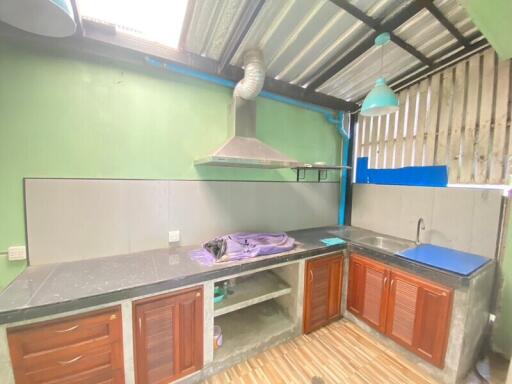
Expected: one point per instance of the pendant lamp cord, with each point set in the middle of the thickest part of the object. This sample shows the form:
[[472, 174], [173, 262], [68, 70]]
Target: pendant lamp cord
[[382, 60]]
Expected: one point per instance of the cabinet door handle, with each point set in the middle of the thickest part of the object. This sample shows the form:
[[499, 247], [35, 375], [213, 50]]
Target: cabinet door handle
[[67, 330], [70, 361], [392, 283], [385, 280], [310, 275]]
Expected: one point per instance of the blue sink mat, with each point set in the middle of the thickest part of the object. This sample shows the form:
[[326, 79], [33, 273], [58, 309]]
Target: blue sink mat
[[333, 241], [462, 263]]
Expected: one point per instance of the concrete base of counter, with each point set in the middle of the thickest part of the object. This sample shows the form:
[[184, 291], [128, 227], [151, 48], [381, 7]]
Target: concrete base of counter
[[470, 314], [468, 323]]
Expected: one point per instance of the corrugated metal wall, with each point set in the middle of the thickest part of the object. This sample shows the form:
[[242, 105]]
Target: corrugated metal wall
[[460, 117]]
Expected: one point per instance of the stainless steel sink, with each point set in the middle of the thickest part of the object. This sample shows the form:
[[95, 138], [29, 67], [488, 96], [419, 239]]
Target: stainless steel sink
[[385, 243]]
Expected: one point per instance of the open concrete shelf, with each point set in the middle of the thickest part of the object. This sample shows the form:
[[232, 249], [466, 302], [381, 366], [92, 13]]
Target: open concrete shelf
[[252, 329], [252, 289]]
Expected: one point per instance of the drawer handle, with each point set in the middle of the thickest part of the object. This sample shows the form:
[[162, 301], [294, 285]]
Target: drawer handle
[[70, 361], [67, 330]]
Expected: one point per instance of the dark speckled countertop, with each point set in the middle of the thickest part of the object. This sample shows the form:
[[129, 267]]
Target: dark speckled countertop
[[62, 287]]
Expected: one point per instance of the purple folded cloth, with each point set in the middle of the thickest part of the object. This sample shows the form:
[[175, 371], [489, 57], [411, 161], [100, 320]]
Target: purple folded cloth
[[244, 245]]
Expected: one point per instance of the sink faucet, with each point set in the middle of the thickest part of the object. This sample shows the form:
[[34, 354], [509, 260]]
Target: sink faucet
[[420, 226]]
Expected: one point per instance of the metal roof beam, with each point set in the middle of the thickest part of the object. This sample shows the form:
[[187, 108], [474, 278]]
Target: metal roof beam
[[187, 21], [434, 11], [101, 42], [78, 20], [416, 73], [243, 25], [377, 27], [332, 68]]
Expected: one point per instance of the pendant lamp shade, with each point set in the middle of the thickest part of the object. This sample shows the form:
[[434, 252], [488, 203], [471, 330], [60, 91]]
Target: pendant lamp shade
[[380, 101], [44, 17]]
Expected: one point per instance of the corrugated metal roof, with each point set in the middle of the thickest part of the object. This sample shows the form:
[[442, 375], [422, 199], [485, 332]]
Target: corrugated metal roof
[[211, 26], [457, 16], [300, 38], [359, 77]]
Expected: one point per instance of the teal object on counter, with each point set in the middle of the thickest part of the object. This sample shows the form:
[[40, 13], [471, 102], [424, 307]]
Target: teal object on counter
[[333, 241]]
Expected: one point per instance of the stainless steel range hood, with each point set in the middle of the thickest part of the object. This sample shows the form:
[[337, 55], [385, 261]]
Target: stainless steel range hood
[[243, 149]]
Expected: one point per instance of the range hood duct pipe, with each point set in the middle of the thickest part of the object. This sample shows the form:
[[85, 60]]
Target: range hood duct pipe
[[336, 120], [254, 76], [185, 71]]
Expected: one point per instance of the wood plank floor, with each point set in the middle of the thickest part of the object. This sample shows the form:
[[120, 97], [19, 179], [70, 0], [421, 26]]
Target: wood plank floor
[[339, 353]]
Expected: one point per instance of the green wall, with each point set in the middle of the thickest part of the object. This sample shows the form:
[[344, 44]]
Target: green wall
[[502, 337], [65, 117], [492, 17]]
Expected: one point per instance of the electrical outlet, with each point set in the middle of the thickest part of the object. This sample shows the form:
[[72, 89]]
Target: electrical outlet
[[16, 253], [174, 236]]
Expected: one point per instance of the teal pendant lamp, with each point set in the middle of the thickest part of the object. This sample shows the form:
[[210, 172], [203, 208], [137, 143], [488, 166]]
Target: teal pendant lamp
[[44, 17], [381, 100]]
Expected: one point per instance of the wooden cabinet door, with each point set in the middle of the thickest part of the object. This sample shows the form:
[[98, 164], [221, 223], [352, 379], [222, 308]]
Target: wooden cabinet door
[[375, 295], [368, 291], [335, 282], [322, 291], [355, 292], [190, 356], [403, 296], [434, 308], [419, 316], [168, 336]]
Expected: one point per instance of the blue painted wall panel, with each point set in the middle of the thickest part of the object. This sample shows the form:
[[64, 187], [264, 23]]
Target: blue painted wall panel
[[428, 176]]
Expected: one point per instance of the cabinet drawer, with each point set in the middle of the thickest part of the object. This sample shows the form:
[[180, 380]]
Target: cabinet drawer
[[81, 349], [98, 328], [70, 366]]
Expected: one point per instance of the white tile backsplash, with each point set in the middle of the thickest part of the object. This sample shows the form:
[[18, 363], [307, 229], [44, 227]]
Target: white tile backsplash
[[452, 218], [485, 227], [415, 203], [64, 213], [466, 219], [70, 219], [148, 208]]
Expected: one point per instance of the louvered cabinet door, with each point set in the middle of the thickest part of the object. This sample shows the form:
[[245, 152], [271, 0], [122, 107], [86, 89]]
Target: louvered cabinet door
[[355, 294], [322, 295], [419, 316], [368, 290], [403, 297], [168, 336], [375, 295], [335, 280], [156, 341], [434, 307], [191, 332]]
